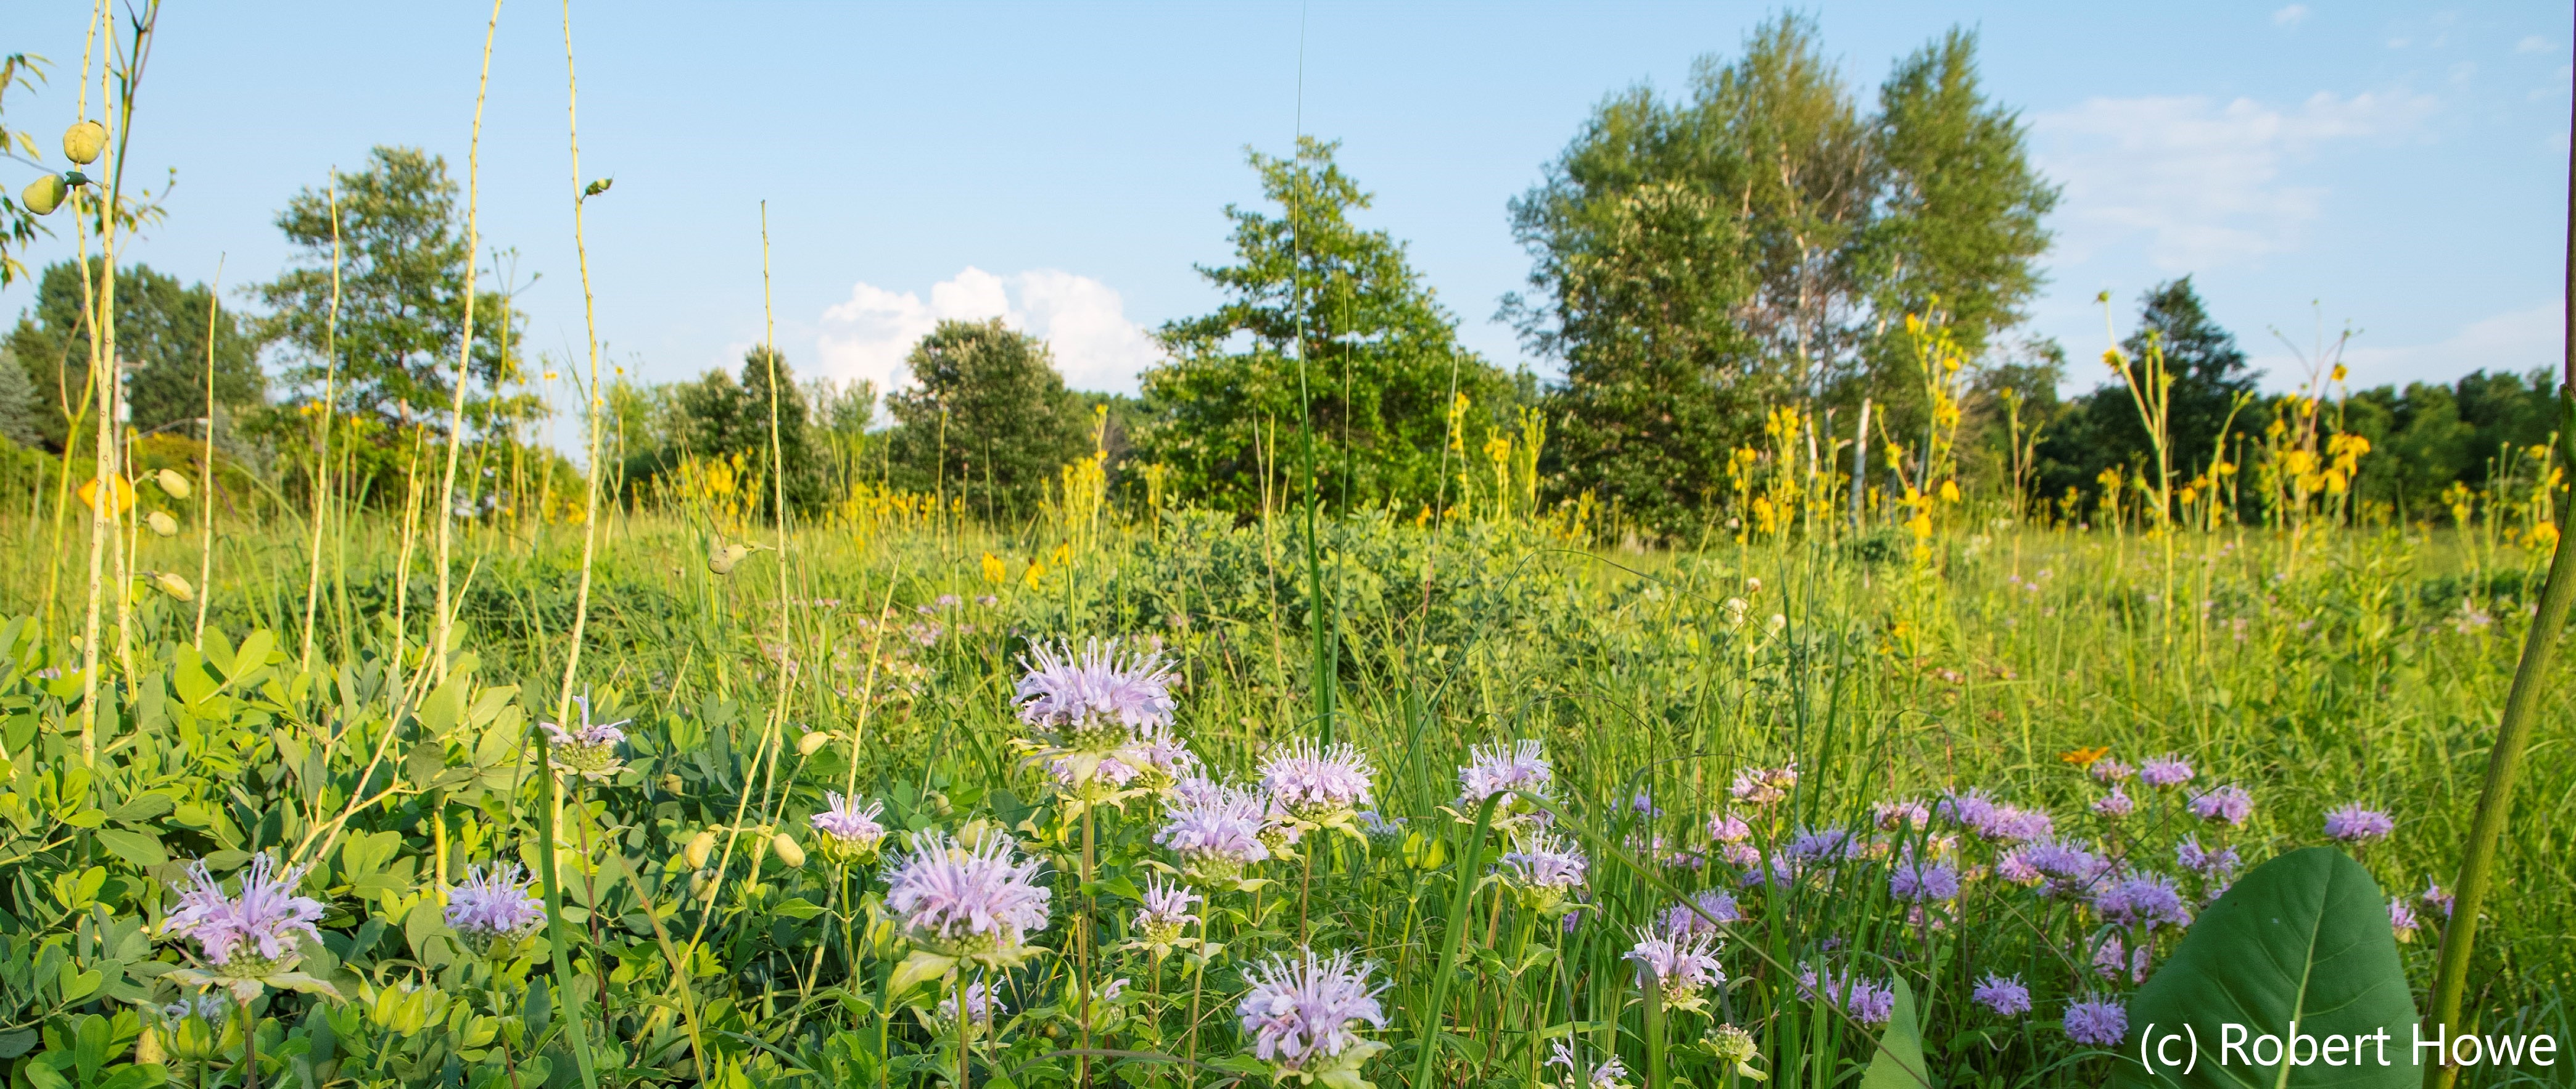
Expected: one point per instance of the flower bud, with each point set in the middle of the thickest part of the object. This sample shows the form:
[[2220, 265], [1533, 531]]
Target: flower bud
[[174, 586], [44, 194], [788, 851], [172, 482], [83, 142], [701, 847], [162, 523], [812, 743]]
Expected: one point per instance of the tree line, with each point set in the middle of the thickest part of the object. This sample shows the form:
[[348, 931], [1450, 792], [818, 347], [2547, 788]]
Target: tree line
[[1764, 238]]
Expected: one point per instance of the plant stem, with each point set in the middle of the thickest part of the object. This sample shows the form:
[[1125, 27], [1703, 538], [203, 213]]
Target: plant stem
[[2504, 762], [1654, 1032]]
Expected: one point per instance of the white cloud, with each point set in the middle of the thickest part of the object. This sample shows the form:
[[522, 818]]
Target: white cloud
[[2203, 182], [2534, 44], [2290, 16], [1082, 320], [2515, 341]]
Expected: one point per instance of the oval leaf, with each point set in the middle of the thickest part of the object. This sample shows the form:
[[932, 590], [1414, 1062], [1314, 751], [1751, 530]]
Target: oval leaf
[[2303, 938]]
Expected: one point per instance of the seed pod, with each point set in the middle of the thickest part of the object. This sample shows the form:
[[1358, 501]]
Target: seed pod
[[174, 586], [83, 142], [722, 558], [812, 743], [788, 851], [702, 884], [44, 194], [172, 482], [701, 847], [162, 523]]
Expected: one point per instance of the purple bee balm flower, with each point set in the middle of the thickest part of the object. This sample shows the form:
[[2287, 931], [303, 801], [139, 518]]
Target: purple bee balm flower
[[1166, 912], [1827, 846], [2169, 771], [1992, 820], [2433, 896], [1644, 803], [1713, 907], [981, 1006], [1869, 1003], [1765, 786], [2401, 919], [1299, 1011], [1895, 815], [590, 734], [1315, 783], [2096, 1022], [2356, 824], [2217, 865], [1379, 826], [850, 832], [1742, 856], [1611, 1074], [978, 903], [2142, 899], [2005, 995], [2228, 805], [1728, 828], [1217, 832], [1099, 686], [1680, 965], [2112, 771], [490, 908], [1493, 769], [1922, 880], [250, 933], [2015, 866], [2112, 958], [1193, 790], [2116, 804], [1547, 862]]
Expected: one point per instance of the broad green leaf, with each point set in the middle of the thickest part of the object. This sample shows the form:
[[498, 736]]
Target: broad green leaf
[[918, 968], [1898, 1063], [2303, 938], [139, 848]]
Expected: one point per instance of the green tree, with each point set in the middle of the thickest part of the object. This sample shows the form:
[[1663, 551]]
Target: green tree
[[402, 289], [1320, 317], [20, 409], [987, 419], [161, 334], [2209, 373]]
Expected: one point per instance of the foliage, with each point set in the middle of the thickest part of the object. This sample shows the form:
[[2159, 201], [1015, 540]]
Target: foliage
[[160, 329], [2210, 383], [1326, 332], [987, 419]]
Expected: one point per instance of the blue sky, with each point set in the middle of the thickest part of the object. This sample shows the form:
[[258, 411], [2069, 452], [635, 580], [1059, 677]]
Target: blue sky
[[2398, 166]]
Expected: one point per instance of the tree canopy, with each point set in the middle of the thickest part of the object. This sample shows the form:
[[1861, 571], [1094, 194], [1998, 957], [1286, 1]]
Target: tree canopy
[[987, 419], [161, 335]]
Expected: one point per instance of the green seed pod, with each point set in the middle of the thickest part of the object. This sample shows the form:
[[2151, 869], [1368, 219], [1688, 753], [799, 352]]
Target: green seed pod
[[701, 847], [788, 851], [702, 884], [174, 586], [44, 194], [83, 142], [812, 743], [172, 482], [162, 523]]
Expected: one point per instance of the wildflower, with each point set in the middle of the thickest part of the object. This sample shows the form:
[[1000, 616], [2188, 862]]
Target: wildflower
[[1728, 828], [491, 910], [2111, 771], [2228, 805], [590, 750], [2096, 1022], [1494, 769], [209, 1008], [1097, 700], [1164, 916], [248, 937], [2005, 995], [1611, 1074], [1702, 915], [1827, 846], [1217, 832], [2355, 824], [1892, 816], [2401, 919], [1318, 786], [2168, 771], [1678, 965], [1732, 1045], [2112, 958], [982, 1005], [1868, 1003], [2115, 805], [2433, 896], [2218, 864], [1994, 820], [1742, 856], [2015, 866], [973, 904], [1765, 786], [1379, 827], [850, 832], [2070, 869], [1159, 757], [1544, 872], [1922, 881], [2083, 757], [2142, 899], [1303, 1016]]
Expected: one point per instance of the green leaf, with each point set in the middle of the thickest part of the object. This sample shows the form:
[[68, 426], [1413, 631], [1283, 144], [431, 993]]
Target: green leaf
[[139, 848], [1899, 1064], [920, 967], [136, 1076], [797, 908], [2304, 938]]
